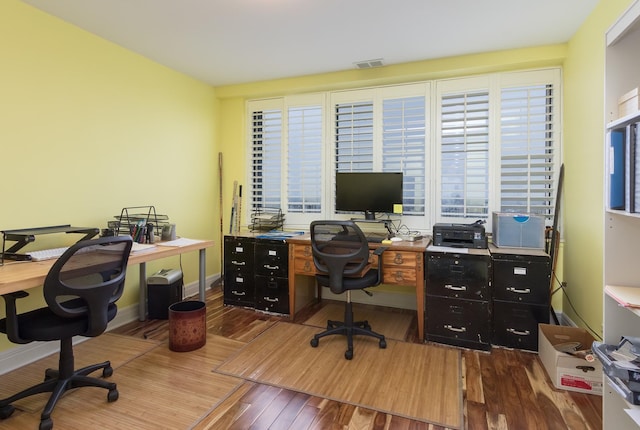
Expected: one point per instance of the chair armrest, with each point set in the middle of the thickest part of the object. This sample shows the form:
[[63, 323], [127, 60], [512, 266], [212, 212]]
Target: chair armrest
[[12, 315], [378, 252]]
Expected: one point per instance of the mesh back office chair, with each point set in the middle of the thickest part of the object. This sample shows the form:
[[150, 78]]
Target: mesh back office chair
[[80, 289], [341, 255]]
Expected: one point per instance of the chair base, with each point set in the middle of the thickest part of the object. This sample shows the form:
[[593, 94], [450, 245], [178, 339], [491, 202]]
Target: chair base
[[59, 381], [348, 328]]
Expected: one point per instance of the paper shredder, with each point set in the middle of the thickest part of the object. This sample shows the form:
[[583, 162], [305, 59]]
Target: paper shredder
[[164, 288]]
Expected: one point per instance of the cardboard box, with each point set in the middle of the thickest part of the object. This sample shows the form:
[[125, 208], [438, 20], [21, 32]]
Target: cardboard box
[[569, 372], [518, 230], [628, 103]]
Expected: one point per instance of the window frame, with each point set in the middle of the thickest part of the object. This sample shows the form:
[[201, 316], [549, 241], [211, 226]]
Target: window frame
[[432, 90]]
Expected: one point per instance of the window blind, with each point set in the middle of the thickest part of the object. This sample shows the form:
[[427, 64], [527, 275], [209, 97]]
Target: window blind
[[464, 155], [304, 154], [266, 153], [403, 148], [527, 150], [354, 137]]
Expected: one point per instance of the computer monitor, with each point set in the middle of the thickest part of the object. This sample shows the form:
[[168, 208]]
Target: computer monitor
[[368, 192]]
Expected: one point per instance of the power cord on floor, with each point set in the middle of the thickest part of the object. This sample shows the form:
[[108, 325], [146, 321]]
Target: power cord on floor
[[561, 287]]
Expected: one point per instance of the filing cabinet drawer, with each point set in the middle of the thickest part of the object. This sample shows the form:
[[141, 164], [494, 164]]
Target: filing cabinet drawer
[[465, 323], [399, 267], [459, 276], [239, 287], [238, 252], [271, 258], [523, 281], [272, 294], [515, 325]]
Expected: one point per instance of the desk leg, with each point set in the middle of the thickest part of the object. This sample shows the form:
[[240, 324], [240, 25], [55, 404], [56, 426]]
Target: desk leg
[[142, 301], [202, 275]]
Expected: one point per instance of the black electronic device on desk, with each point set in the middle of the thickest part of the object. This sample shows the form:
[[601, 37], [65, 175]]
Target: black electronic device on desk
[[460, 235], [27, 235]]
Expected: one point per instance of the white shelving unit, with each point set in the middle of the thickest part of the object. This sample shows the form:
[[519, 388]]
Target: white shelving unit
[[622, 227]]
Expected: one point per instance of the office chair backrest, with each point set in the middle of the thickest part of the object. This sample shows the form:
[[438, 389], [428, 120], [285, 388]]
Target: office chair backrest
[[87, 279], [340, 249]]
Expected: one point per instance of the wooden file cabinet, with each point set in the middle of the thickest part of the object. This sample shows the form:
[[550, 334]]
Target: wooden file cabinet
[[403, 264]]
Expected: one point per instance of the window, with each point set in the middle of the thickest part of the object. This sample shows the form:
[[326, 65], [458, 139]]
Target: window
[[477, 145]]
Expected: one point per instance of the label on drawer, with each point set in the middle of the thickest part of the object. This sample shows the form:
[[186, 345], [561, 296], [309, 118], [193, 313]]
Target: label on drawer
[[519, 270], [239, 249], [273, 253]]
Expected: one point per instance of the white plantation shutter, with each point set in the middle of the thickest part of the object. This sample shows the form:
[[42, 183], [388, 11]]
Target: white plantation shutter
[[354, 137], [403, 148], [491, 143], [527, 152], [304, 152], [266, 154], [464, 154]]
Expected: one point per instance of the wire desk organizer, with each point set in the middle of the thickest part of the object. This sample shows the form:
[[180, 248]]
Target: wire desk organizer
[[266, 219], [141, 222]]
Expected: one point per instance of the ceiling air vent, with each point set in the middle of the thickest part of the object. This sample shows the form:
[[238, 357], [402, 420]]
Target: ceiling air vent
[[369, 64]]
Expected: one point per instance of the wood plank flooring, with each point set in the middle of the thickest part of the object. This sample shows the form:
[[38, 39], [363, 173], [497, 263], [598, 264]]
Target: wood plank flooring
[[502, 390]]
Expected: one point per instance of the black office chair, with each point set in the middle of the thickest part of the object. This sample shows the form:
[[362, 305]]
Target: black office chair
[[341, 255], [80, 290]]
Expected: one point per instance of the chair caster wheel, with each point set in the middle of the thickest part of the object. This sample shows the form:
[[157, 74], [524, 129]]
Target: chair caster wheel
[[46, 424], [113, 395], [348, 354], [314, 342], [383, 344], [6, 411], [107, 371]]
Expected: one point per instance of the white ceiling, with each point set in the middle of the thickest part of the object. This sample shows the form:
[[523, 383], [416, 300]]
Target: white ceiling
[[236, 41]]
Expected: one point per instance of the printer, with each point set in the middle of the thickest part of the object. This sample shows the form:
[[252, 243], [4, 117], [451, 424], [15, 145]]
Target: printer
[[460, 235]]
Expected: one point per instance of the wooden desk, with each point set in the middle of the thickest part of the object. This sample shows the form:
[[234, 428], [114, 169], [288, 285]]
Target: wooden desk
[[403, 264], [16, 276]]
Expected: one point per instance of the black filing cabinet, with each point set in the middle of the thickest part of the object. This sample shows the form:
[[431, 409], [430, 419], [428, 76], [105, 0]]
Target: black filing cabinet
[[521, 295], [239, 274], [458, 298], [271, 276]]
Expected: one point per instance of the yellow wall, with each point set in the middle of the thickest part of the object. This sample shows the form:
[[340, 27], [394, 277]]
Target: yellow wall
[[87, 127], [584, 121]]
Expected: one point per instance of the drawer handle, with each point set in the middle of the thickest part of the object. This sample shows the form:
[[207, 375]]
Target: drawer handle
[[266, 266], [398, 258], [307, 266], [272, 300], [239, 293], [456, 329], [518, 332], [307, 251], [455, 288], [515, 290], [238, 263], [399, 276]]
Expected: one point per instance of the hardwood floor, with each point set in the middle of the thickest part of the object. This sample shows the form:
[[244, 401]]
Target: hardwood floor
[[504, 389]]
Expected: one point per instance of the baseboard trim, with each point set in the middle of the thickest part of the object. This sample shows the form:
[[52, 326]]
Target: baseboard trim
[[22, 355]]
